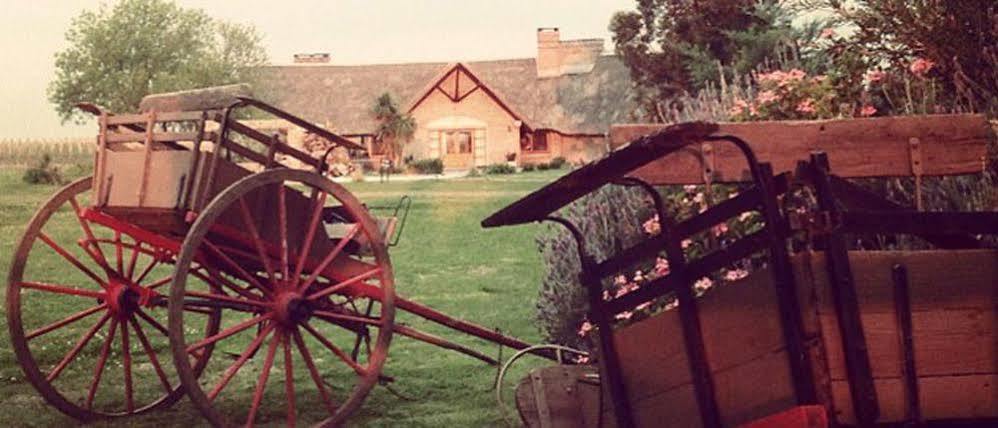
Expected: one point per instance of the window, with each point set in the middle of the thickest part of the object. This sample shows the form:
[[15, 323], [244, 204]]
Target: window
[[536, 142], [457, 142]]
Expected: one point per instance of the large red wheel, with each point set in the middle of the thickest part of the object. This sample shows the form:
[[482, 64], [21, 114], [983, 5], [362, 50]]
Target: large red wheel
[[85, 318], [308, 307]]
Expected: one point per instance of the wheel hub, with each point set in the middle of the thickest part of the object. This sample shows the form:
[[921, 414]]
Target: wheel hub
[[291, 308], [122, 300]]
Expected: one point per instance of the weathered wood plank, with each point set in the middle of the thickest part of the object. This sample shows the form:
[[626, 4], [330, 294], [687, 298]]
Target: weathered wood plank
[[127, 137], [946, 342], [870, 147], [559, 402], [213, 98], [939, 279], [166, 116], [942, 397]]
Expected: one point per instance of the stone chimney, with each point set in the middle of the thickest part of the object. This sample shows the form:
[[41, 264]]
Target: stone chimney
[[312, 58], [556, 57]]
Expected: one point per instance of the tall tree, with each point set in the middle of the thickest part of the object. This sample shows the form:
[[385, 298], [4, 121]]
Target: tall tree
[[395, 127], [674, 47], [121, 53]]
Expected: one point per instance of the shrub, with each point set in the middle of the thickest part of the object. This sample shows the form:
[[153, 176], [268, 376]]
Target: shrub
[[428, 166], [543, 166], [500, 168], [557, 162], [527, 167], [43, 172], [474, 172]]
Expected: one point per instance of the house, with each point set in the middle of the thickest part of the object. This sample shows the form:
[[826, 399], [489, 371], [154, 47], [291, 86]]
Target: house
[[471, 114]]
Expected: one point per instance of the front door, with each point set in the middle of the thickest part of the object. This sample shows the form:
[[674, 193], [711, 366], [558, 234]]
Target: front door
[[458, 149]]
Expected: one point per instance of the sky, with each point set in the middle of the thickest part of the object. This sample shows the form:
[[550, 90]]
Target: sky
[[353, 32]]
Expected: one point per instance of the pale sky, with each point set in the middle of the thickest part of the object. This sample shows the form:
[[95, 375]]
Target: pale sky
[[354, 32]]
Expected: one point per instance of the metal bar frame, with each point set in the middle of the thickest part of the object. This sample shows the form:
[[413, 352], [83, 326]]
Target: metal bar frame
[[846, 302]]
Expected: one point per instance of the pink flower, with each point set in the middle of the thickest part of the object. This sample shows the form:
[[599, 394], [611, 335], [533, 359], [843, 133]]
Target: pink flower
[[767, 97], [827, 33], [585, 328], [921, 66], [582, 359], [735, 274], [606, 295], [690, 188], [720, 229], [620, 280], [652, 227], [806, 106], [703, 284], [642, 306], [782, 78], [867, 111], [686, 243], [874, 76], [626, 315], [738, 108]]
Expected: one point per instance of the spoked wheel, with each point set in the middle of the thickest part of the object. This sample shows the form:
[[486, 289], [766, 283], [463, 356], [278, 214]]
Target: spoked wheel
[[86, 320], [308, 306]]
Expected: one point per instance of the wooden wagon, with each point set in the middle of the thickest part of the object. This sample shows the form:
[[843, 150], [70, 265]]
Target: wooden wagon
[[822, 335], [280, 263]]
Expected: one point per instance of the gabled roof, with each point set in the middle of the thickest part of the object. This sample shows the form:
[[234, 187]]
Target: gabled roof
[[341, 96]]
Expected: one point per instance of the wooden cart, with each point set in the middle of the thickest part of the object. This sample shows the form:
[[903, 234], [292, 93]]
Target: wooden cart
[[282, 264], [820, 336]]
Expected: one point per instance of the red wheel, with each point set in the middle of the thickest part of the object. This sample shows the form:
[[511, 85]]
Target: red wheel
[[314, 299], [85, 319]]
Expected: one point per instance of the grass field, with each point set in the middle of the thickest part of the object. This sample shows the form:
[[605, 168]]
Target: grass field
[[445, 260]]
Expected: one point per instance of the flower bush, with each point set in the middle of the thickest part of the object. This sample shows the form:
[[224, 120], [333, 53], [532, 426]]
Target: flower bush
[[787, 95]]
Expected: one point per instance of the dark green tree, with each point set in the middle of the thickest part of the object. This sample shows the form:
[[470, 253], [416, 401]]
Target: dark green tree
[[395, 127], [120, 53], [676, 47]]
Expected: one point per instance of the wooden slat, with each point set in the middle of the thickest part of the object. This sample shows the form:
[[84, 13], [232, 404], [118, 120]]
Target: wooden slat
[[870, 147], [213, 98], [150, 127], [266, 140], [942, 398], [251, 155], [159, 137], [166, 116]]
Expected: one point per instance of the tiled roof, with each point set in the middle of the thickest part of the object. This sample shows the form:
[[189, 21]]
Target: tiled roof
[[341, 97]]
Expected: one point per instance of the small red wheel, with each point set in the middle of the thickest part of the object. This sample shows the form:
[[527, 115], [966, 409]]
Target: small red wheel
[[85, 321], [316, 300]]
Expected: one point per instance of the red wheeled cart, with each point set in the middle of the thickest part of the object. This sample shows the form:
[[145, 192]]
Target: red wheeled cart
[[177, 250]]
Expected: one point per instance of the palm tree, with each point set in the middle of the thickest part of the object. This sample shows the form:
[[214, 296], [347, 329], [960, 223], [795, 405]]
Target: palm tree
[[395, 127]]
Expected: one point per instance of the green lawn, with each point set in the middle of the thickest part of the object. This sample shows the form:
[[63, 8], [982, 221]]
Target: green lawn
[[445, 260]]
